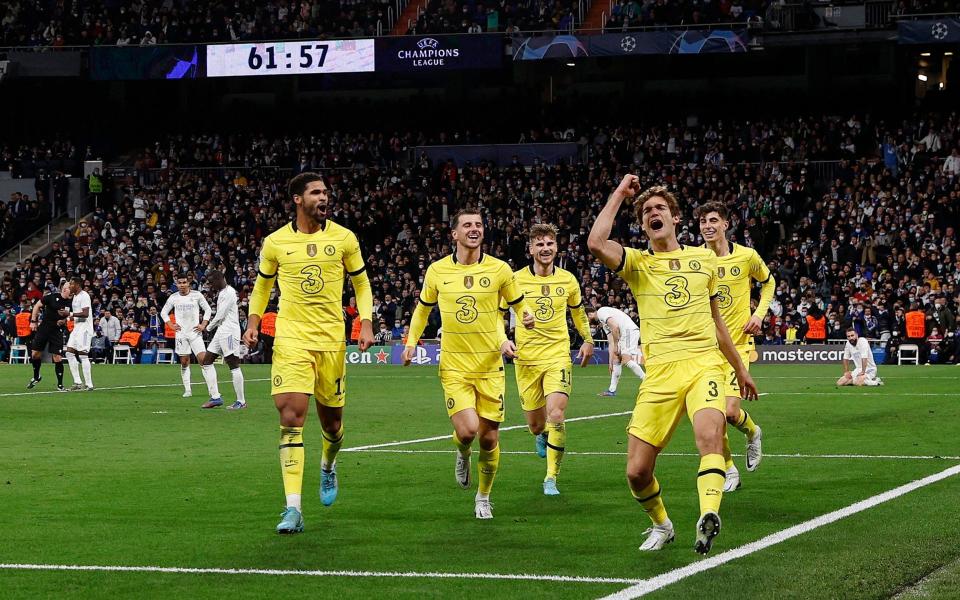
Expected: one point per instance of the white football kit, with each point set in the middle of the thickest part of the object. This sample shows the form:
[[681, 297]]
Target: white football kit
[[187, 312], [629, 342], [226, 340], [82, 334], [857, 354]]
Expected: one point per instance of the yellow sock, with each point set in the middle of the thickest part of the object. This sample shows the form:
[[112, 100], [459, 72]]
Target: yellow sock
[[652, 502], [727, 456], [291, 463], [463, 448], [487, 468], [710, 482], [556, 440], [745, 424], [331, 445]]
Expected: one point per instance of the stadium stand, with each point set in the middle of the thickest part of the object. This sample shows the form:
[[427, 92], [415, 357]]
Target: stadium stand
[[855, 215]]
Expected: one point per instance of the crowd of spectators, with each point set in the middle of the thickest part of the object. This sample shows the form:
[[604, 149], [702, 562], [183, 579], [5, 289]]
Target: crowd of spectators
[[862, 238], [510, 16], [148, 22]]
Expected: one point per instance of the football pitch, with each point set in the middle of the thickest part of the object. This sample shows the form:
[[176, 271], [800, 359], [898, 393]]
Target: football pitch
[[133, 491]]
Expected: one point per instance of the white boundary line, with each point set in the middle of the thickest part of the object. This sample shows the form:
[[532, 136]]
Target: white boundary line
[[447, 436], [660, 581], [404, 574], [687, 454], [121, 387]]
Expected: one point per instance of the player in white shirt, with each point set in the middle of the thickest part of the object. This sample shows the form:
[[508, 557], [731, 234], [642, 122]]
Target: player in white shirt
[[857, 351], [78, 345], [226, 340], [623, 336], [186, 305]]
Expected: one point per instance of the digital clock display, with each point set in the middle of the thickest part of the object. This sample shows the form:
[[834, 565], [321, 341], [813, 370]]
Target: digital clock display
[[291, 58]]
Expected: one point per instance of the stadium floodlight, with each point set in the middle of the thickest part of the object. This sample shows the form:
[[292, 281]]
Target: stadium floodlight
[[922, 77]]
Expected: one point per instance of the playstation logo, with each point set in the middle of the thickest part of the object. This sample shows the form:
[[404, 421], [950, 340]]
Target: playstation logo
[[421, 358], [628, 43], [428, 43]]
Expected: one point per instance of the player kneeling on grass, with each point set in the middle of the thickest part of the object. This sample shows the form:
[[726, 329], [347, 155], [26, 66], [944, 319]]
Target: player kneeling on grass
[[685, 342], [543, 366], [857, 351], [309, 259], [226, 340], [737, 268], [467, 285]]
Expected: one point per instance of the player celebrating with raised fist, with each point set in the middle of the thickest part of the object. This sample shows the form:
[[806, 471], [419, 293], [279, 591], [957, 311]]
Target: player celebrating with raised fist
[[468, 285], [543, 366], [684, 342]]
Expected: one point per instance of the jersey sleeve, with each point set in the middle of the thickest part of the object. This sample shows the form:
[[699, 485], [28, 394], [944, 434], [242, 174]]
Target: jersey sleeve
[[511, 293], [428, 299], [760, 272], [847, 352], [357, 270], [577, 312], [712, 281], [266, 276]]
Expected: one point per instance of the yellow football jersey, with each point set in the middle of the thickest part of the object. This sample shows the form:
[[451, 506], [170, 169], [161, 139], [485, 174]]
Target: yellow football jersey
[[469, 300], [549, 298], [310, 270], [734, 274], [673, 291]]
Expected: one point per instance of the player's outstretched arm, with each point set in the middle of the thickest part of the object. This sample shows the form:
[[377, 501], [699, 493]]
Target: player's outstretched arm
[[609, 252], [747, 387]]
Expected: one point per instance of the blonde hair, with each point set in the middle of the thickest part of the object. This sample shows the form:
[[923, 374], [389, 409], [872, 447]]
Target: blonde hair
[[543, 230]]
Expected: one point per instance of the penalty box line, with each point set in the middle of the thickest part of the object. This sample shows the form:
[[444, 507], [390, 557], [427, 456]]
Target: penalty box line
[[661, 581], [309, 573]]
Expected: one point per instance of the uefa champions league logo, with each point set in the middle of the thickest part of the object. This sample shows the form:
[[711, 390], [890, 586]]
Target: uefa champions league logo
[[939, 30], [426, 43], [628, 43]]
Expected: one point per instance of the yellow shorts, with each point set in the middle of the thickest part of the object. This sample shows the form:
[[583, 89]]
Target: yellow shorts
[[731, 389], [536, 382], [321, 373], [485, 395], [671, 388]]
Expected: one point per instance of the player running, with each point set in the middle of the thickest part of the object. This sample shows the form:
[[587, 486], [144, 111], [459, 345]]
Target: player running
[[468, 285], [49, 333], [737, 268], [857, 351], [683, 335], [186, 305], [226, 340], [78, 345], [623, 340], [309, 259], [543, 366]]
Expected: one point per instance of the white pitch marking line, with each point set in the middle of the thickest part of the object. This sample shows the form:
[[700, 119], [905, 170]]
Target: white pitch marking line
[[123, 387], [405, 574], [447, 436], [690, 454], [660, 581]]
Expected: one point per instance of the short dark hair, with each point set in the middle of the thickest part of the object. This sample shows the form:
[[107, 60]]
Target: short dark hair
[[467, 210], [77, 280], [709, 207], [186, 275], [216, 274], [851, 328], [298, 185], [590, 309]]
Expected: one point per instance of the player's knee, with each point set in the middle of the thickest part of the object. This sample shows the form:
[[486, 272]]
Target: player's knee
[[489, 439], [709, 437], [536, 428], [639, 475], [292, 416], [466, 432], [555, 415], [332, 425], [733, 414]]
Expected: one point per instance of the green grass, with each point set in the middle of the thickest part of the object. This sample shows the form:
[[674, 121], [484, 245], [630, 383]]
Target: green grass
[[144, 477]]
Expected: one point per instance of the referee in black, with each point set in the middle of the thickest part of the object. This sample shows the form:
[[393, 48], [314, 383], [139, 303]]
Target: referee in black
[[50, 334]]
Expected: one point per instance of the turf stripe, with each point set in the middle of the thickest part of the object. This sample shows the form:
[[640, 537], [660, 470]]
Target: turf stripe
[[403, 574], [446, 436], [125, 387], [691, 454], [661, 581]]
